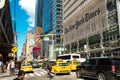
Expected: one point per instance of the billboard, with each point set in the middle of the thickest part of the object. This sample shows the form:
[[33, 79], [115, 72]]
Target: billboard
[[36, 52]]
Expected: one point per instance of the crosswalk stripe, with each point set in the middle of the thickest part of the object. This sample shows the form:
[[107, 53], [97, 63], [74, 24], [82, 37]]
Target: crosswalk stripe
[[31, 74], [36, 69], [41, 72], [25, 75], [10, 78], [37, 74]]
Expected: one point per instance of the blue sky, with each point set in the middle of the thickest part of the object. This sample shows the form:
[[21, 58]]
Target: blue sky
[[24, 17]]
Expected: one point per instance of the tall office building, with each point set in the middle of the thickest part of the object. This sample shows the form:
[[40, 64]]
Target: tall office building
[[46, 17], [51, 17], [92, 27], [29, 45], [57, 25], [38, 24], [43, 26]]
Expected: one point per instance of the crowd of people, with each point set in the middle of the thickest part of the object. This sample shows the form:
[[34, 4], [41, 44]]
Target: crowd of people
[[9, 67]]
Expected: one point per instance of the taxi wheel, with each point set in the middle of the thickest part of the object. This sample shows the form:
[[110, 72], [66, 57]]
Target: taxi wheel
[[78, 74], [68, 73], [55, 72]]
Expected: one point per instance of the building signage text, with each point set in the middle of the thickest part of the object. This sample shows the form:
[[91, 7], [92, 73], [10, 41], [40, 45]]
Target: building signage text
[[84, 19]]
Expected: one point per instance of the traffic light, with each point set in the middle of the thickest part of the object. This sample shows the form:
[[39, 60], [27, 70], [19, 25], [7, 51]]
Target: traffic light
[[61, 38], [52, 37]]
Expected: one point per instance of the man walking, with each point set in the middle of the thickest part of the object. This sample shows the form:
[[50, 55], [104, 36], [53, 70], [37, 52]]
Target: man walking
[[21, 75], [12, 67], [48, 66]]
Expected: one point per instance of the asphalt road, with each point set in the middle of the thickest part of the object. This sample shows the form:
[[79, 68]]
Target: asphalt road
[[40, 74]]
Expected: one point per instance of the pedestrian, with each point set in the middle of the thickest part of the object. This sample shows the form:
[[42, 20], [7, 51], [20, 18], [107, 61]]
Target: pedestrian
[[48, 66], [8, 67], [21, 75], [12, 67], [1, 65]]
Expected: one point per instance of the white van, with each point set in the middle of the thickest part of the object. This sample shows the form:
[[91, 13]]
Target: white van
[[68, 57]]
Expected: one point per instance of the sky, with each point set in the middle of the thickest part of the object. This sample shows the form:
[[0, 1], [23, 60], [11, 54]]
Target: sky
[[24, 17]]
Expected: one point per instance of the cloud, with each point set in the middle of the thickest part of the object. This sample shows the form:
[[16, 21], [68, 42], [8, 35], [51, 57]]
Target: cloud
[[29, 7]]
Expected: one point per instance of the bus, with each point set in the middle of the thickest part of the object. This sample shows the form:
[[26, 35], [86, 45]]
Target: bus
[[69, 57]]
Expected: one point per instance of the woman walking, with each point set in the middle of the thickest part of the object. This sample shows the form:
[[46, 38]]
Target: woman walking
[[8, 67]]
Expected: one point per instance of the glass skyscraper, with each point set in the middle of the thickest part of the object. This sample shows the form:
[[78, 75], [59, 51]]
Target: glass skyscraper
[[49, 18], [46, 16], [56, 24]]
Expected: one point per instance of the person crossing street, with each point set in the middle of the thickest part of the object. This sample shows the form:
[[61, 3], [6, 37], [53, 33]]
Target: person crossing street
[[12, 67]]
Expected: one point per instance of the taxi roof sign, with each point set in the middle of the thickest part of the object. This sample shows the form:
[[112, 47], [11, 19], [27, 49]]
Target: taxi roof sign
[[14, 49]]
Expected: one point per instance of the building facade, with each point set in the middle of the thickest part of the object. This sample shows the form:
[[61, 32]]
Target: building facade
[[42, 25], [6, 33], [57, 25], [23, 55], [91, 27], [51, 15], [29, 45], [38, 24]]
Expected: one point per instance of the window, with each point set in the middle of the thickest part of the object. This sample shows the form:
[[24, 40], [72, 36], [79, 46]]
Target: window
[[87, 63], [104, 62], [75, 56], [116, 61], [92, 62], [62, 64], [64, 57]]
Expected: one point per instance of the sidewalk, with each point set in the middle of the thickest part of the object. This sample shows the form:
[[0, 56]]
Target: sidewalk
[[5, 74]]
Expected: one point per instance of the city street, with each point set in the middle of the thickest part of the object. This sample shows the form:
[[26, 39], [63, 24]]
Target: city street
[[80, 38], [40, 74]]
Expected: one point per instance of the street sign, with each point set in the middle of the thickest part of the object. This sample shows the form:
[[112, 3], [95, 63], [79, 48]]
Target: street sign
[[14, 49]]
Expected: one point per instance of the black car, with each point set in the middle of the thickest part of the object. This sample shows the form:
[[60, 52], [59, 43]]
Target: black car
[[100, 68]]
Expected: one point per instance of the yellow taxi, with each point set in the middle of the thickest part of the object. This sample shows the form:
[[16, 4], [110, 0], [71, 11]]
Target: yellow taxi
[[40, 63], [27, 67], [61, 67], [73, 64]]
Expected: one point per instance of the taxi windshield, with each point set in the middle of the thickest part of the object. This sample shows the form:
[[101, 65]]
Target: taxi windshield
[[26, 64], [63, 64], [76, 62]]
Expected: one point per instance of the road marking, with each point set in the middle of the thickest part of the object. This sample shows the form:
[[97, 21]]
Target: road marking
[[41, 72], [81, 79], [25, 75], [36, 69], [37, 74], [31, 74], [10, 78]]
